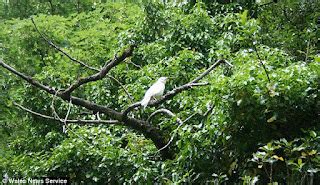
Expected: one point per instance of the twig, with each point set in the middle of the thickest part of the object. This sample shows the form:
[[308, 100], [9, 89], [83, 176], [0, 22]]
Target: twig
[[27, 78], [205, 115], [122, 86], [68, 112], [307, 53], [266, 171], [209, 70], [66, 118], [55, 114], [175, 131], [188, 118], [208, 111], [68, 121], [102, 73], [166, 111], [228, 63], [171, 139], [60, 50], [264, 67], [135, 65], [75, 60]]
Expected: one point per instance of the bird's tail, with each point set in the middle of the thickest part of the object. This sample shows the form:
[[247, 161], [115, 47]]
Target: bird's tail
[[145, 101]]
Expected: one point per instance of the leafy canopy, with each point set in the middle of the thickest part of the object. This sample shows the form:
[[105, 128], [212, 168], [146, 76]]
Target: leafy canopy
[[240, 124]]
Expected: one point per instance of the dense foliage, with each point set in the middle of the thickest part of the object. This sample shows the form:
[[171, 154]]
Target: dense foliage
[[257, 121]]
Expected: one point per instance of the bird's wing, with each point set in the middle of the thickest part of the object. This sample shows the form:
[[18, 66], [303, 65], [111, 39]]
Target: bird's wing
[[153, 90]]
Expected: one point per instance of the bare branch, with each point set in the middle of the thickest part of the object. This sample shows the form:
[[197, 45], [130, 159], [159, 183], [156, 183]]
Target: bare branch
[[188, 118], [208, 71], [122, 86], [66, 118], [172, 137], [68, 112], [172, 93], [75, 60], [228, 63], [264, 67], [55, 114], [167, 96], [60, 50], [102, 73], [78, 121], [210, 109], [166, 111], [27, 78], [175, 131], [139, 125], [169, 142], [75, 100], [135, 65]]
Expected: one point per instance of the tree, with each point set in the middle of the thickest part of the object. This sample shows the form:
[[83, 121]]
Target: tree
[[250, 114]]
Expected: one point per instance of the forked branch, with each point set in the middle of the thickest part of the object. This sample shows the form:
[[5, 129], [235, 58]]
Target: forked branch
[[61, 50], [175, 91], [102, 73], [76, 60], [142, 126]]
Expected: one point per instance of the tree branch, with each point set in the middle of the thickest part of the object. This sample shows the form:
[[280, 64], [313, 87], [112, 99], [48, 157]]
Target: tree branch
[[210, 109], [102, 73], [78, 121], [55, 114], [66, 118], [122, 86], [264, 67], [75, 60], [172, 93], [60, 50], [27, 78], [167, 96], [148, 130], [166, 111], [205, 73], [176, 130], [135, 65]]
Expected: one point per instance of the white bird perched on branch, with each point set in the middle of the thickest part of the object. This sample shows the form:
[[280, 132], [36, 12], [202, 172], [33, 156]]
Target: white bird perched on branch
[[155, 91]]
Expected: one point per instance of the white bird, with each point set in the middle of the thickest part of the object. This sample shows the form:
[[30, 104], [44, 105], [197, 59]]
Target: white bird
[[155, 91]]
